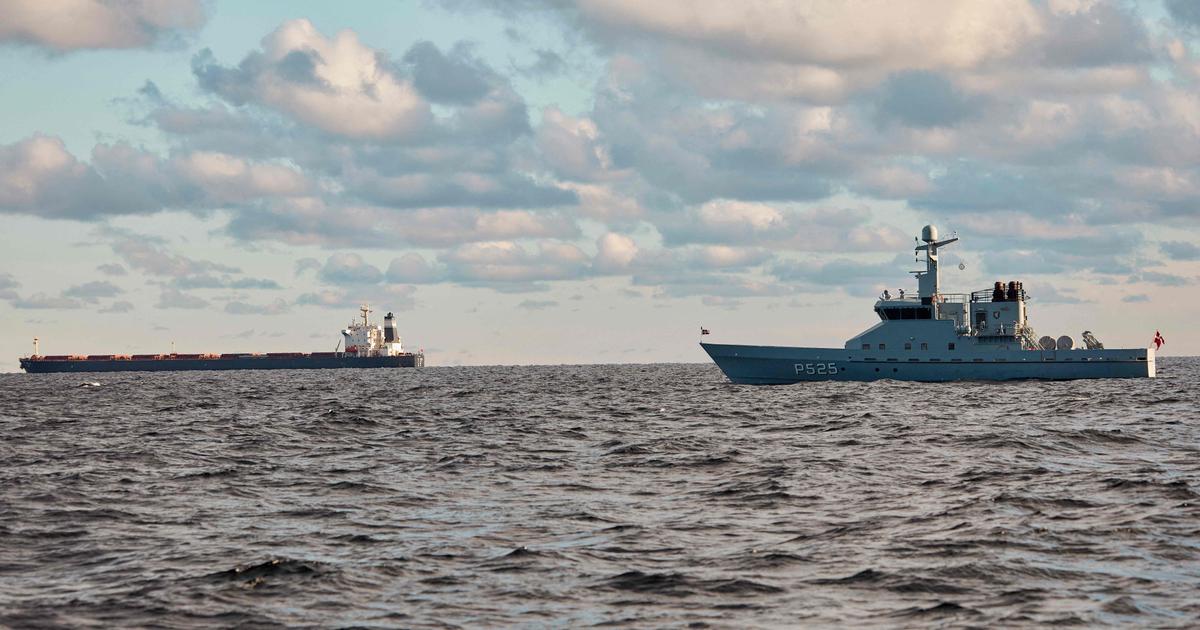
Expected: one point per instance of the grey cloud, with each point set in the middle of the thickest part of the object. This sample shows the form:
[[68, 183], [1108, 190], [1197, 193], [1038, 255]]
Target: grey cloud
[[7, 281], [728, 222], [537, 305], [457, 77], [841, 272], [697, 152], [379, 227], [1186, 12], [43, 301], [92, 291], [547, 63], [413, 269], [394, 298], [48, 181], [687, 283], [149, 257], [120, 306], [1049, 294], [174, 298], [349, 269], [510, 190], [920, 98], [329, 298], [208, 281], [1180, 250], [1138, 297], [1161, 279], [307, 264], [275, 307], [112, 269], [1100, 35]]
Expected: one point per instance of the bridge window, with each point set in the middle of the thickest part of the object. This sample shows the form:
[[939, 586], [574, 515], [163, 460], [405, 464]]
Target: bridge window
[[883, 346], [950, 346], [907, 346], [924, 346], [909, 312], [866, 346]]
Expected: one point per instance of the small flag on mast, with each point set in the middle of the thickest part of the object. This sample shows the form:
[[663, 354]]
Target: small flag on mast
[[703, 330], [1158, 340]]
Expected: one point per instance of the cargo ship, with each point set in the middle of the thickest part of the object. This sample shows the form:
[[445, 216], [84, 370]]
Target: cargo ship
[[367, 345]]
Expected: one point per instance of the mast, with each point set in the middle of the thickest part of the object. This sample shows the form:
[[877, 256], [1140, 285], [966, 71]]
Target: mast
[[927, 281], [366, 310]]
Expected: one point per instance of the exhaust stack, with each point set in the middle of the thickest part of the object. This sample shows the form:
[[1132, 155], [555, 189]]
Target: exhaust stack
[[389, 328]]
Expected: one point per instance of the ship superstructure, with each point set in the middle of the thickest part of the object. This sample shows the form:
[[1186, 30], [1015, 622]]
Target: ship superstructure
[[936, 336], [367, 345], [364, 339]]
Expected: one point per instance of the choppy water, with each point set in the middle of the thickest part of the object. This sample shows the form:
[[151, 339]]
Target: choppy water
[[596, 495]]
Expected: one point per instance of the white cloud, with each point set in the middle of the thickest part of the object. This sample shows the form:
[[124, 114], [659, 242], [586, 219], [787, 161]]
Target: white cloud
[[615, 252], [66, 25], [336, 84], [840, 33]]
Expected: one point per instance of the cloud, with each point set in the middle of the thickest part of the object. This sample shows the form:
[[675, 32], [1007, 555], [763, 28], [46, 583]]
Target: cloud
[[830, 33], [92, 291], [349, 269], [276, 307], [508, 262], [395, 298], [149, 257], [1049, 294], [547, 63], [412, 268], [1135, 298], [68, 25], [840, 273], [337, 84], [920, 98], [537, 305], [174, 298], [1185, 12], [208, 281], [40, 177], [120, 306], [1161, 279], [7, 281], [313, 222], [43, 301], [615, 252], [1180, 250], [457, 77], [112, 269], [733, 222], [307, 264]]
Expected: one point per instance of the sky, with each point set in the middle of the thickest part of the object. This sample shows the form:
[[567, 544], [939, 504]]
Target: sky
[[543, 181]]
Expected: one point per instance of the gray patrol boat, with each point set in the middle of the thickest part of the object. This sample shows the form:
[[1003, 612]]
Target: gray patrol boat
[[935, 336]]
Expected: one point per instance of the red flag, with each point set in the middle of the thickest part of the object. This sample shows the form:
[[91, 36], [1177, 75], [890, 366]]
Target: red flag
[[1158, 340]]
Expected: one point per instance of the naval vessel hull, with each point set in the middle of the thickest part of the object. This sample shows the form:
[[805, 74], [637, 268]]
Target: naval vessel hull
[[35, 366], [778, 365]]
